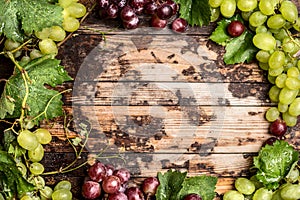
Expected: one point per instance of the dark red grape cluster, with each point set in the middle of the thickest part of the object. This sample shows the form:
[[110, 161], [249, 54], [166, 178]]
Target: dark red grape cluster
[[129, 11], [104, 181]]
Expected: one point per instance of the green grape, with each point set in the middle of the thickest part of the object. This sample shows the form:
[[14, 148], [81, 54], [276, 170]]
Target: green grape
[[261, 29], [36, 198], [64, 3], [296, 25], [267, 7], [290, 192], [293, 175], [288, 45], [262, 56], [292, 83], [246, 5], [275, 72], [76, 10], [22, 168], [62, 194], [43, 135], [228, 8], [293, 72], [276, 195], [215, 3], [215, 14], [27, 140], [280, 80], [272, 114], [257, 19], [281, 34], [10, 45], [289, 119], [256, 182], [271, 78], [274, 93], [57, 33], [36, 168], [264, 66], [294, 109], [48, 46], [37, 154], [35, 54], [262, 194], [276, 21], [286, 96], [246, 15], [289, 11], [70, 24], [233, 195], [46, 192], [277, 59], [24, 60], [43, 34], [282, 107], [64, 184], [264, 41], [26, 197], [244, 186]]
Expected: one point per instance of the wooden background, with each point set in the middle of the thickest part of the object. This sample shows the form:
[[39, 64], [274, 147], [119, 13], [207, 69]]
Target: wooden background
[[162, 100]]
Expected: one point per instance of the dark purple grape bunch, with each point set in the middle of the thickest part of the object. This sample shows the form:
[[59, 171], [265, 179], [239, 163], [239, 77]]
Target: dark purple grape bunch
[[105, 180]]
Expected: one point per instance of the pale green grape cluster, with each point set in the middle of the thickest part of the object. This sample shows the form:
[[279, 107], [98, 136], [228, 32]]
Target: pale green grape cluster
[[252, 189], [273, 22]]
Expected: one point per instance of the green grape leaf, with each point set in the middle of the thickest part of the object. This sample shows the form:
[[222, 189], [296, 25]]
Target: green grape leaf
[[170, 185], [202, 185], [42, 101], [11, 176], [19, 18], [238, 49], [195, 12]]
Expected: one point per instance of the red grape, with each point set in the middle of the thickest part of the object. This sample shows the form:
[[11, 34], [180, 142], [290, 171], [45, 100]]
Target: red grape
[[150, 8], [150, 185], [118, 196], [137, 3], [123, 174], [134, 193], [235, 28], [179, 25], [131, 24], [97, 172], [278, 128], [127, 13], [164, 11], [91, 190], [112, 11], [103, 3], [192, 197], [111, 184], [109, 169], [157, 22], [173, 5]]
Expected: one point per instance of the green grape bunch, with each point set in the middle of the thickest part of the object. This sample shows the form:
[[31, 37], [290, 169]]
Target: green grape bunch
[[275, 24]]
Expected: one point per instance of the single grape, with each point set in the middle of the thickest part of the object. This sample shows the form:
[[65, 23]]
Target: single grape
[[173, 5], [62, 194], [123, 174], [276, 21], [97, 172], [46, 192], [36, 168], [43, 34], [37, 154], [131, 24], [292, 83], [64, 3], [112, 11], [179, 25], [76, 10], [264, 41], [35, 53], [10, 45], [48, 46], [235, 28], [215, 14], [43, 135], [263, 56], [287, 96], [215, 3], [233, 195], [118, 196], [289, 119], [150, 185], [246, 5], [103, 3], [127, 13], [111, 184], [274, 93], [137, 3], [192, 197], [228, 8], [257, 19], [91, 190], [289, 11], [157, 22], [27, 140], [25, 60], [134, 193], [262, 193], [244, 186], [267, 7], [261, 29], [278, 128], [277, 59], [70, 24], [150, 8], [109, 169], [64, 184], [294, 108], [272, 114], [164, 11], [280, 80]]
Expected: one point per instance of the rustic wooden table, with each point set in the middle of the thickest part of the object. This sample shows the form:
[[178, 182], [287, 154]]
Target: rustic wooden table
[[163, 101]]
